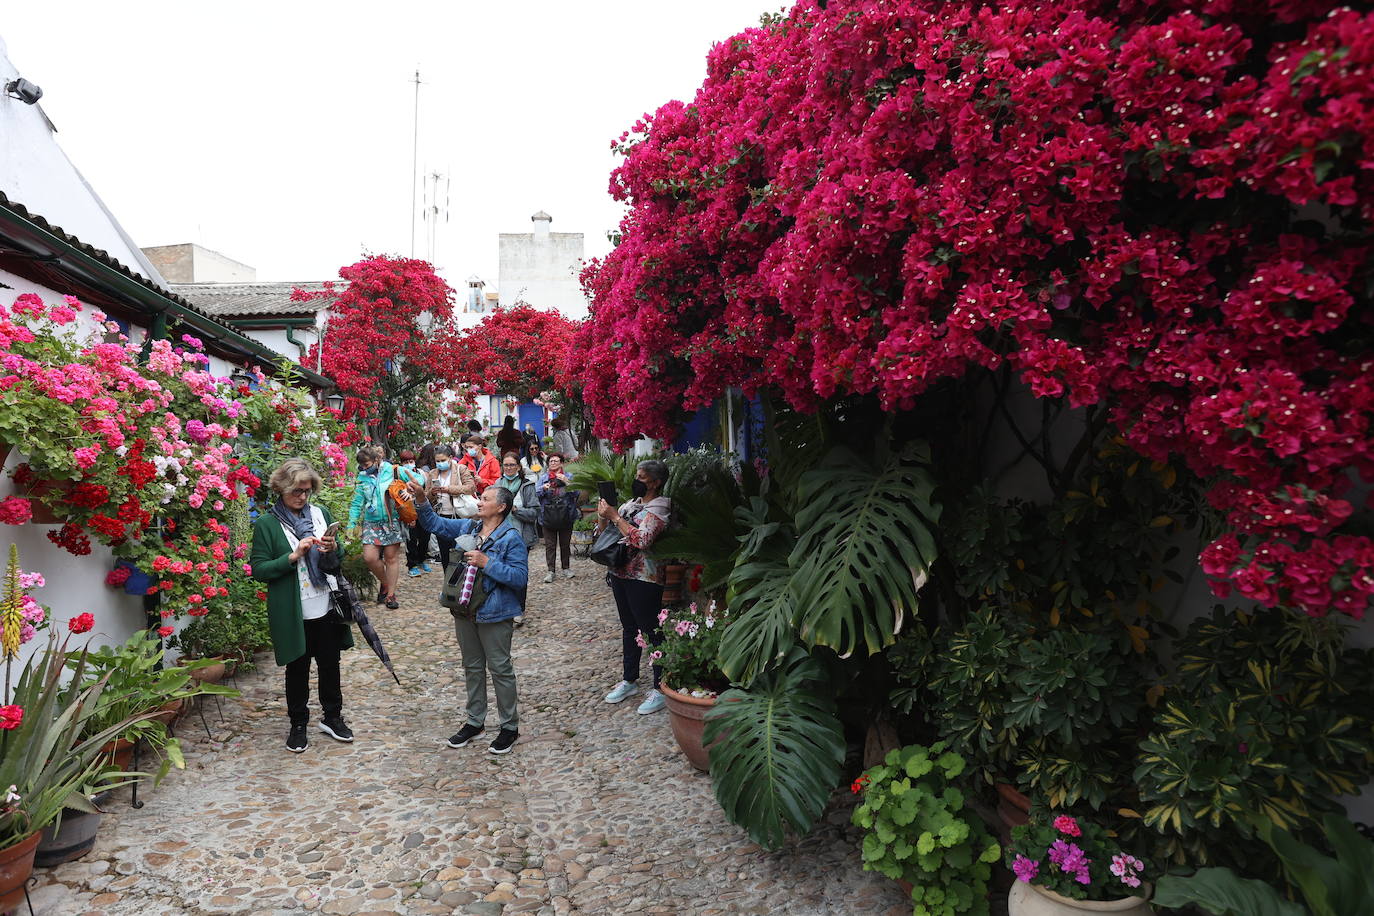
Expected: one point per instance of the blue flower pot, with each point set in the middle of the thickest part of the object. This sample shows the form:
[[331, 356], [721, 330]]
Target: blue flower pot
[[138, 581]]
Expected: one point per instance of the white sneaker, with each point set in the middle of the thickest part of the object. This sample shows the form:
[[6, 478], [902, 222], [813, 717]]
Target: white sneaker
[[519, 620], [567, 574], [652, 703], [621, 691], [548, 577]]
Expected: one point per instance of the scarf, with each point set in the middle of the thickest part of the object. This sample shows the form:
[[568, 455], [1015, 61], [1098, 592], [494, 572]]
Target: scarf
[[302, 525], [512, 485]]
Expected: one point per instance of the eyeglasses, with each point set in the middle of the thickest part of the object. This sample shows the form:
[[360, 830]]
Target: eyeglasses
[[300, 491]]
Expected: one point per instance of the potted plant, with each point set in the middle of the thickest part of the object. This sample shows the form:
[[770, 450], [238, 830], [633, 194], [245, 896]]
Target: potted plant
[[209, 643], [138, 691], [918, 831], [1066, 865], [691, 679], [584, 530]]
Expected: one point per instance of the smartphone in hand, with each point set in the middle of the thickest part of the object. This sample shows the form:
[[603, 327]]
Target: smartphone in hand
[[333, 530], [606, 490]]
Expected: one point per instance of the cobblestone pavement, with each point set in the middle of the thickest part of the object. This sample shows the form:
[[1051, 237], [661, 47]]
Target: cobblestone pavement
[[595, 810]]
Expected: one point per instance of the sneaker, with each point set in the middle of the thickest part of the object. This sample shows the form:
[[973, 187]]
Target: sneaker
[[393, 603], [465, 734], [568, 574], [505, 739], [424, 567], [337, 729], [381, 594], [519, 620], [621, 691], [652, 703], [548, 578], [415, 572], [297, 741]]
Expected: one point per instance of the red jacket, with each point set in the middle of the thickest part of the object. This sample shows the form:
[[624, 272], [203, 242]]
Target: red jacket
[[486, 468]]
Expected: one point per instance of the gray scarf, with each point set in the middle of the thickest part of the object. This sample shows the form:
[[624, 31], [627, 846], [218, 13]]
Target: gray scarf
[[302, 525]]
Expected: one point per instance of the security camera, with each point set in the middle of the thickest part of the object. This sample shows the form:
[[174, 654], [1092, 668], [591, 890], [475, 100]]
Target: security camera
[[24, 91]]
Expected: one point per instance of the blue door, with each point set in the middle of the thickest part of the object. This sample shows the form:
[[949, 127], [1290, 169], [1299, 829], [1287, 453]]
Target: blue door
[[532, 415]]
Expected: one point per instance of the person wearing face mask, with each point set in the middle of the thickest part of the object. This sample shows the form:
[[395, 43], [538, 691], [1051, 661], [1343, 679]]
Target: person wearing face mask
[[485, 466], [524, 512], [638, 583], [417, 538], [381, 530], [447, 480]]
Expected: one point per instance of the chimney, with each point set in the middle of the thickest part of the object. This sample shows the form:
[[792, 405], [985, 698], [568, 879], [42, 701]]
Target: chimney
[[541, 222]]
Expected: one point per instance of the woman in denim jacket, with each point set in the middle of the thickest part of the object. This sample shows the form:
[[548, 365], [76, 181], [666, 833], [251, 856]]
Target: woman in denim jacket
[[485, 642]]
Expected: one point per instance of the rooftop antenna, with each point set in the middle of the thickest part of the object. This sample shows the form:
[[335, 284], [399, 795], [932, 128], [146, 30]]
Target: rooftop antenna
[[414, 161]]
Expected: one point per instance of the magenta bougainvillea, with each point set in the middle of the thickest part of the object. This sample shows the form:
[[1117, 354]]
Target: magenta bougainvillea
[[1163, 208]]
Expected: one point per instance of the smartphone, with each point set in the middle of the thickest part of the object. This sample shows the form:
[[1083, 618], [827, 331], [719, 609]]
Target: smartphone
[[333, 529], [606, 490]]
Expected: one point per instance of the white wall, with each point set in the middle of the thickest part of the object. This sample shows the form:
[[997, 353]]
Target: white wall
[[36, 173], [541, 269]]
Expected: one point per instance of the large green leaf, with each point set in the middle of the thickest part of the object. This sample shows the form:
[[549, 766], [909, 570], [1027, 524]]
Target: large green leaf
[[864, 543], [760, 592], [776, 750], [1222, 892]]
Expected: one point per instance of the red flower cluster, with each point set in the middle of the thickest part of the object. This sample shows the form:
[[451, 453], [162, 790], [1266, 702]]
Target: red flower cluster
[[1166, 214], [11, 717], [520, 350], [72, 539], [81, 623]]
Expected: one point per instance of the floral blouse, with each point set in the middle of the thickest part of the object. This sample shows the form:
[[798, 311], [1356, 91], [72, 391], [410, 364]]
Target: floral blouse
[[649, 520]]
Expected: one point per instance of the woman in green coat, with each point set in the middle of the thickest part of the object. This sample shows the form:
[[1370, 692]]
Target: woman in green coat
[[289, 541]]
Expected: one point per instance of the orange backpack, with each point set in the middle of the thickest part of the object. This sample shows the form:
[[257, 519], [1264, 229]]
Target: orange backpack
[[397, 495]]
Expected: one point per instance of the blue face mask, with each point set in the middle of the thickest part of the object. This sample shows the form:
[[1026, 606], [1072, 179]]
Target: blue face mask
[[441, 465], [372, 470], [472, 453], [512, 475]]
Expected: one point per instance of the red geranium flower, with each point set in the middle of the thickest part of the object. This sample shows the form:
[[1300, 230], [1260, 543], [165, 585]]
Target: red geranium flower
[[10, 717], [81, 623]]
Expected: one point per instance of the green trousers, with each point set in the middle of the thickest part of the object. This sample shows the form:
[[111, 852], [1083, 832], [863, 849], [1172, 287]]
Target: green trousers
[[486, 646]]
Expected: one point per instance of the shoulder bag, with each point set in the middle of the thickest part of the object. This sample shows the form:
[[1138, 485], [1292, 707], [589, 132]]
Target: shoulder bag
[[465, 588], [609, 549]]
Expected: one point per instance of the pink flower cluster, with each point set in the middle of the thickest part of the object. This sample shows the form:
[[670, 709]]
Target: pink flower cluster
[[1105, 197]]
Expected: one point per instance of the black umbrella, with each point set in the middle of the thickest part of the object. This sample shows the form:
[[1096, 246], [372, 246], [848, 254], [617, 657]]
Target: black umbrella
[[352, 607]]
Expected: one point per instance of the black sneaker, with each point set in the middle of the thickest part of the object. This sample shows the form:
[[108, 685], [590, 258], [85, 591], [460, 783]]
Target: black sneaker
[[297, 740], [337, 729], [505, 740], [381, 594], [465, 734]]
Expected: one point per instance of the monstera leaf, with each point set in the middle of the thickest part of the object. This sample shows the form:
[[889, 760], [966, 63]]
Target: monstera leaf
[[776, 750], [760, 591], [864, 544]]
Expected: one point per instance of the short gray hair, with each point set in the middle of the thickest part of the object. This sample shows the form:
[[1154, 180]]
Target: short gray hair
[[291, 473], [503, 496], [656, 469]]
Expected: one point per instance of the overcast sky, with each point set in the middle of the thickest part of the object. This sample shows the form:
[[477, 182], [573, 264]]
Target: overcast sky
[[279, 134]]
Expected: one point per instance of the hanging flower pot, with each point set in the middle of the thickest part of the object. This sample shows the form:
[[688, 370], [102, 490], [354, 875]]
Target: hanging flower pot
[[43, 514], [16, 864]]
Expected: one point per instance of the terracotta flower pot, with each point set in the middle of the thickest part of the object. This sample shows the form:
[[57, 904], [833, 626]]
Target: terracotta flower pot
[[16, 864], [687, 718], [168, 712], [42, 513], [210, 674], [673, 576], [1013, 808], [120, 753], [1033, 900]]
